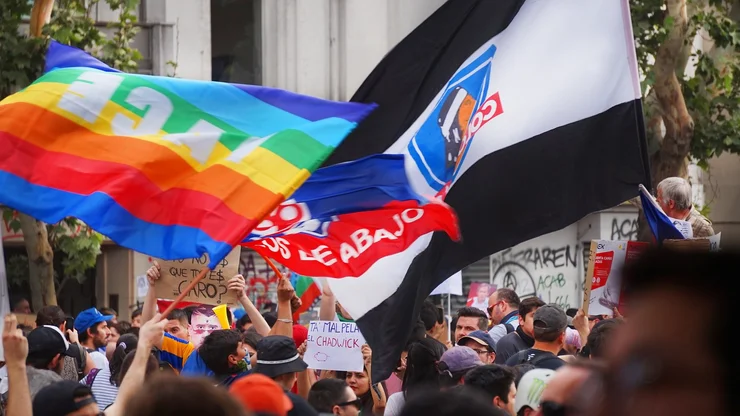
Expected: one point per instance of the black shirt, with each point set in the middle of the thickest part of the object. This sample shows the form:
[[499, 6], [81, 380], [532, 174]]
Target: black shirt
[[300, 406], [538, 358]]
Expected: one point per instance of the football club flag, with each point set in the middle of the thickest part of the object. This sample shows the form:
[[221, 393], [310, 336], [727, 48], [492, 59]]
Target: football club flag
[[523, 115]]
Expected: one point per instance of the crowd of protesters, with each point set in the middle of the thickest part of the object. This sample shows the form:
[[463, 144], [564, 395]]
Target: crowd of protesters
[[670, 354]]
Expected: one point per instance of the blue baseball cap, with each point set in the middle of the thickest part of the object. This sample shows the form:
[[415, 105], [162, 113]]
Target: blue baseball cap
[[89, 318], [238, 313], [482, 338]]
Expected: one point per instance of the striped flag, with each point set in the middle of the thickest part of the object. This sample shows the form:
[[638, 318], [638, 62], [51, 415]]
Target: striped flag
[[168, 167], [524, 115]]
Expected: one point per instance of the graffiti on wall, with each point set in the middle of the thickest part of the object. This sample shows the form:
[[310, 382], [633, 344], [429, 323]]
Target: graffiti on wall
[[623, 227], [261, 279], [546, 267]]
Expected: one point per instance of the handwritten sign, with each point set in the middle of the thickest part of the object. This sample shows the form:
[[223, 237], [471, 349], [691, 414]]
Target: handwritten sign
[[212, 290], [26, 319], [334, 346]]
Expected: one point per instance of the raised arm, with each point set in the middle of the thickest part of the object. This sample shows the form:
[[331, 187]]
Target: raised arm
[[238, 284], [327, 307], [151, 332], [284, 323], [150, 301], [15, 346]]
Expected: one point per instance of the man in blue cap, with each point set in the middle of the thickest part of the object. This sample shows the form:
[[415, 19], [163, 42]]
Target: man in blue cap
[[93, 333], [482, 344]]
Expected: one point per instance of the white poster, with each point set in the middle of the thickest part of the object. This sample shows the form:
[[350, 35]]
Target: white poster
[[334, 346], [606, 280], [684, 227]]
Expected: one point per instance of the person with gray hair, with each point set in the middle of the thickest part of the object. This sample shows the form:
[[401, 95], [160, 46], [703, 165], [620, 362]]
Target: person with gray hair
[[674, 198]]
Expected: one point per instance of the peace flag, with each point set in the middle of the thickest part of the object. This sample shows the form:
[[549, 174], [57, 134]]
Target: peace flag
[[172, 168]]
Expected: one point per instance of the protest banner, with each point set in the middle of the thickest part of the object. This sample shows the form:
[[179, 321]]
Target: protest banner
[[334, 346], [604, 274], [212, 290]]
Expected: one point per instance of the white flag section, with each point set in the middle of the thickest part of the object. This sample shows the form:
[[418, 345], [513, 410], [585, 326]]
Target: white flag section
[[451, 286], [4, 297], [557, 63]]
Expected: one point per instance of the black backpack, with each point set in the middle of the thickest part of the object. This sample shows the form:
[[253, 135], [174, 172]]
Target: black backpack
[[80, 360], [509, 328]]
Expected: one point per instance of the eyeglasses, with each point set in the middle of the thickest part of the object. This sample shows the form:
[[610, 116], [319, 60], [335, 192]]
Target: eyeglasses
[[480, 352], [491, 307], [357, 403]]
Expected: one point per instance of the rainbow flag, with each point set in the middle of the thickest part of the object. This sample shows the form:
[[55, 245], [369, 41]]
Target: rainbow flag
[[168, 167]]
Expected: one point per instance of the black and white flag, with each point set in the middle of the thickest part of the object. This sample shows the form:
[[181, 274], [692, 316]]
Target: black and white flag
[[524, 116]]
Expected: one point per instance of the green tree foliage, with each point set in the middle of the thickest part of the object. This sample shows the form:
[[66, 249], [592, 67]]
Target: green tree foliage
[[72, 23], [690, 113]]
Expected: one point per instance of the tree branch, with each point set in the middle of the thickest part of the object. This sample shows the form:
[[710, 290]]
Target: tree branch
[[678, 123]]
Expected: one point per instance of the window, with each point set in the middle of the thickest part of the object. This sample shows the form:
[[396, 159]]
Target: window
[[236, 41]]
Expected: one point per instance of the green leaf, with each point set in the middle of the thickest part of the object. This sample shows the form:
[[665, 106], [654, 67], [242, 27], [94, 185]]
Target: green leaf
[[668, 23]]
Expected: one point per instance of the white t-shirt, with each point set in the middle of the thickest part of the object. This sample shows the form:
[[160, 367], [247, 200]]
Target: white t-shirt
[[99, 359], [395, 404]]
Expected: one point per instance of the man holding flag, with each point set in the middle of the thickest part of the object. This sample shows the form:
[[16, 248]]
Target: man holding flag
[[674, 198]]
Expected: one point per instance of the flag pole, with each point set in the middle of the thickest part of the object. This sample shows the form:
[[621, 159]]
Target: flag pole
[[449, 316], [185, 292], [272, 266]]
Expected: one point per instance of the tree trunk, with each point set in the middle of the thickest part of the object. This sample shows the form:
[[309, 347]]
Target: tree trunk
[[671, 157], [40, 262]]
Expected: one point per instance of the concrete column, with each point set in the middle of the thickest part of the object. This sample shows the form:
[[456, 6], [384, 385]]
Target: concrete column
[[181, 33]]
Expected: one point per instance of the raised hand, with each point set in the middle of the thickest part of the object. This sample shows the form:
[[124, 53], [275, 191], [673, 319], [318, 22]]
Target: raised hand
[[285, 291], [152, 332], [15, 344], [153, 274], [237, 284]]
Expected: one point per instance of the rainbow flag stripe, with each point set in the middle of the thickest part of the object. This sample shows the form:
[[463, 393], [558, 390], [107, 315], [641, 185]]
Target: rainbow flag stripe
[[168, 167]]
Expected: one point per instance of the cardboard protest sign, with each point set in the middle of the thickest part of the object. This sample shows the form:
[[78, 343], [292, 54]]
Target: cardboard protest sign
[[26, 319], [695, 244], [212, 290], [604, 273], [334, 346]]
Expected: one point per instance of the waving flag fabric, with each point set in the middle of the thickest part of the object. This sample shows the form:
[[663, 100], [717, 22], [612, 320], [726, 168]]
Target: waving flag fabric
[[307, 290], [524, 115], [349, 219], [168, 167], [660, 224]]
